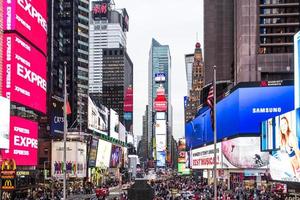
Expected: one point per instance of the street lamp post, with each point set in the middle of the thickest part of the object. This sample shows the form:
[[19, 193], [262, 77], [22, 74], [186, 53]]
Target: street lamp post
[[215, 132], [65, 131]]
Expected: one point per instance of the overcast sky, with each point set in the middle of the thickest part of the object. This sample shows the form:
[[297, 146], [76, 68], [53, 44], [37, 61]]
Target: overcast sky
[[170, 22]]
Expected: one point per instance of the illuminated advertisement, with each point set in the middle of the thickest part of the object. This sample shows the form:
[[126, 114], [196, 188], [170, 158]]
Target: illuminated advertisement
[[75, 162], [116, 155], [284, 162], [297, 69], [160, 115], [181, 157], [161, 142], [160, 77], [29, 18], [181, 144], [160, 102], [114, 124], [103, 155], [100, 10], [23, 145], [128, 100], [4, 123], [182, 169], [240, 113], [161, 159], [203, 158], [93, 152], [25, 73], [122, 132], [97, 118], [56, 117], [161, 127]]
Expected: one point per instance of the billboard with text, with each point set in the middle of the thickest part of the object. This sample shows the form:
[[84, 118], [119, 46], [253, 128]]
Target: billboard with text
[[29, 18], [24, 67]]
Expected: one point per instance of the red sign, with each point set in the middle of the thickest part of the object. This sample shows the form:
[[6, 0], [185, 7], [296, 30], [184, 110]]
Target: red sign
[[160, 102], [23, 142], [24, 69], [128, 100], [29, 18]]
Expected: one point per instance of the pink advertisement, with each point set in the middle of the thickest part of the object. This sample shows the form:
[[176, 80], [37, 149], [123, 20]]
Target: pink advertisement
[[29, 18], [23, 142], [24, 70]]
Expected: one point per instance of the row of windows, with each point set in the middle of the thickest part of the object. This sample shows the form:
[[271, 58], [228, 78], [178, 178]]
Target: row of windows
[[113, 52]]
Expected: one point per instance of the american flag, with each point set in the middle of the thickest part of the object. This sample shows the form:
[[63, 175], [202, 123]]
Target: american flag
[[210, 103]]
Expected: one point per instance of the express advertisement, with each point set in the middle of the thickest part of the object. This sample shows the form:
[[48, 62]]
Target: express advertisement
[[97, 118], [56, 117], [23, 145], [285, 156], [103, 155], [93, 152], [29, 18], [161, 142], [114, 124], [161, 127], [161, 159], [75, 163], [24, 67], [4, 123], [297, 69], [116, 155], [240, 113]]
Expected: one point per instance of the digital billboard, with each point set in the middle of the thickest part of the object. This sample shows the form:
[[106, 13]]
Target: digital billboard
[[161, 127], [100, 10], [116, 155], [182, 169], [75, 162], [114, 124], [97, 118], [93, 152], [161, 142], [181, 144], [284, 160], [161, 159], [160, 115], [103, 154], [160, 77], [297, 69], [23, 147], [4, 122], [203, 158], [240, 113], [128, 100], [122, 132], [24, 67], [56, 117], [29, 18]]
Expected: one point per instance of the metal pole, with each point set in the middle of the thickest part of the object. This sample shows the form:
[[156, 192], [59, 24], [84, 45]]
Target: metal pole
[[215, 132], [65, 131]]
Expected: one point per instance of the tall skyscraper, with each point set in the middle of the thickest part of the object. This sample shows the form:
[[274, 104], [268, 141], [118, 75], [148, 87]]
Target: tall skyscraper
[[250, 40], [189, 60], [159, 64], [68, 44], [193, 104]]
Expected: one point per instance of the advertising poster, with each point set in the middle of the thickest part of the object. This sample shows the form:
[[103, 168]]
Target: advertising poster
[[160, 77], [161, 127], [56, 117], [161, 142], [23, 147], [122, 132], [103, 154], [116, 155], [93, 152], [97, 118], [181, 144], [4, 122], [284, 161], [114, 124], [203, 158], [25, 68], [75, 163], [161, 159], [27, 17]]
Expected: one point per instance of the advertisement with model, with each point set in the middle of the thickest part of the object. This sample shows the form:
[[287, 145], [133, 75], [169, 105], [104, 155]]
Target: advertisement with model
[[116, 156], [281, 136], [161, 159], [29, 18], [4, 123], [114, 124], [103, 155], [25, 73], [76, 164], [240, 113], [56, 117], [23, 147], [97, 118]]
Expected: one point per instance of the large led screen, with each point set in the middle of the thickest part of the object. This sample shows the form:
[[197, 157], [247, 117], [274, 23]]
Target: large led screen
[[93, 152], [284, 152], [297, 69], [160, 127], [29, 18], [114, 124], [240, 113], [23, 145], [116, 156], [76, 159], [161, 159], [103, 154], [24, 81], [4, 122], [97, 118], [161, 142]]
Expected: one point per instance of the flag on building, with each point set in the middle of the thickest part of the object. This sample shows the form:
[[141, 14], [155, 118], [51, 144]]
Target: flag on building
[[210, 103]]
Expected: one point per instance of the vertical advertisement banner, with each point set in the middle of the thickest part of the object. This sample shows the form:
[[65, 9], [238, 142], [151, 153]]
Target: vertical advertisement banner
[[93, 152], [103, 155], [56, 117], [29, 18], [161, 159], [297, 69], [4, 122], [114, 124], [23, 145]]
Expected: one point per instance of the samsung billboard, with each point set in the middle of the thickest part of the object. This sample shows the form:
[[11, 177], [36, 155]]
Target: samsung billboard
[[240, 113]]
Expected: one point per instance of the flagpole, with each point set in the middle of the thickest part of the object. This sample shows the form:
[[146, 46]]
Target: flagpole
[[215, 132], [65, 131]]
